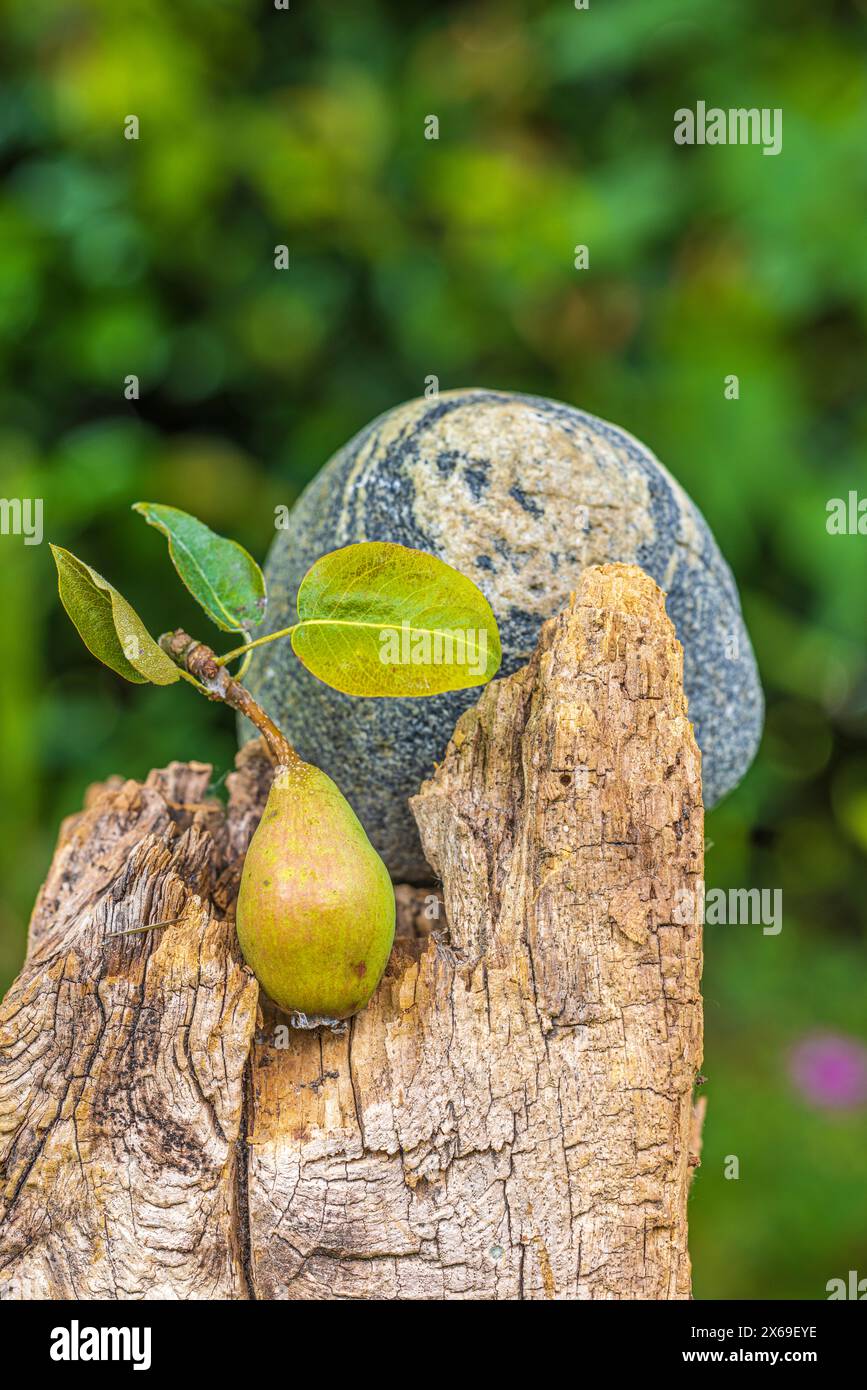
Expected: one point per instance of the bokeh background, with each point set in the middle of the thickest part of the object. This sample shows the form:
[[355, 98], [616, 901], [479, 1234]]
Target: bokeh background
[[454, 258]]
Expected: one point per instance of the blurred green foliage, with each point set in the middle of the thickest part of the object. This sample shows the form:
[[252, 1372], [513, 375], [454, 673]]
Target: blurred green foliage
[[455, 258]]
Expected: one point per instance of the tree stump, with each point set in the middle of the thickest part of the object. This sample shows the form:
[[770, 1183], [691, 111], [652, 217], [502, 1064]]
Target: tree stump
[[510, 1118]]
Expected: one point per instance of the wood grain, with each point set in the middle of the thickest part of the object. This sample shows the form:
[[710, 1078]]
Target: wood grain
[[510, 1118]]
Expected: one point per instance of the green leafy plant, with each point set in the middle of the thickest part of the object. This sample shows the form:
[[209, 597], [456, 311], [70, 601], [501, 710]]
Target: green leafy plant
[[316, 909]]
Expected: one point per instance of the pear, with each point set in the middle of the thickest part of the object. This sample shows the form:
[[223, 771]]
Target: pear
[[315, 913]]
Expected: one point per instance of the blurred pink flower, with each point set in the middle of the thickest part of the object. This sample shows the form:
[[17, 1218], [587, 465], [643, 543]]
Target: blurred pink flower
[[830, 1071]]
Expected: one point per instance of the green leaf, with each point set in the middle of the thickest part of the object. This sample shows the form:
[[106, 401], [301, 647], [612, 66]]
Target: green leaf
[[108, 626], [219, 573], [381, 619]]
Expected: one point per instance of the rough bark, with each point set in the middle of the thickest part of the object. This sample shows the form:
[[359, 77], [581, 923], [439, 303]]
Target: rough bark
[[511, 1117]]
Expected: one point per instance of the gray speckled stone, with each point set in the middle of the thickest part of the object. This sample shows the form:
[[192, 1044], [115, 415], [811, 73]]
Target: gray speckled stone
[[520, 494]]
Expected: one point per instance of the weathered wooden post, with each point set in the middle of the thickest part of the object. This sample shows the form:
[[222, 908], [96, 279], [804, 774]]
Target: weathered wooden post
[[512, 1115]]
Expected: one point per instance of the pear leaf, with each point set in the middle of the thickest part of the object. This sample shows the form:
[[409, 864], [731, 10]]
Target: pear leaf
[[220, 574], [109, 627], [381, 619]]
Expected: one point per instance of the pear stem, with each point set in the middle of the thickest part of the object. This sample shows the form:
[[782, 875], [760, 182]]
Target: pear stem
[[201, 661]]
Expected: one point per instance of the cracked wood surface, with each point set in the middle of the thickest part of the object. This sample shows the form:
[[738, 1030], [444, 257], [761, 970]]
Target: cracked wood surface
[[122, 1061], [511, 1116]]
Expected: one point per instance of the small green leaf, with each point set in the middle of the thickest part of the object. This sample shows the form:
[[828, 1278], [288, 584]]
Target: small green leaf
[[108, 626], [381, 619], [219, 573]]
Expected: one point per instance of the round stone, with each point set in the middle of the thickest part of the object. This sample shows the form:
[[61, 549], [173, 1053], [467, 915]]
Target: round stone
[[520, 494]]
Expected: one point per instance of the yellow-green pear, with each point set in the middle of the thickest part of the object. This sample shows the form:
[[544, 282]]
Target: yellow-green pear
[[315, 912]]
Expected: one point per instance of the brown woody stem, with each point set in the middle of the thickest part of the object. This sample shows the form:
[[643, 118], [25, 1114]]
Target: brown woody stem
[[201, 661]]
